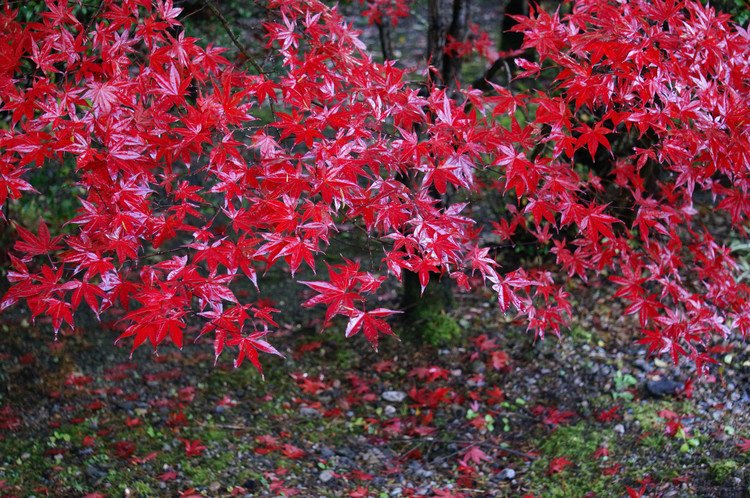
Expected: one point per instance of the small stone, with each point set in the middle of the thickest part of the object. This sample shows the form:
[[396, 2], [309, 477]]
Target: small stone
[[214, 487], [308, 412], [506, 475], [664, 387], [326, 476], [394, 396], [421, 472], [478, 367], [373, 456], [643, 365], [389, 411], [250, 485], [620, 429]]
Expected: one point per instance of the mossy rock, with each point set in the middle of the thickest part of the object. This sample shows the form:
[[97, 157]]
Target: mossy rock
[[435, 327], [426, 319]]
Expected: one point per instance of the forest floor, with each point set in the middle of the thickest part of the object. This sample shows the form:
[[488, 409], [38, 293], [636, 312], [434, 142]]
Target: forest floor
[[496, 415]]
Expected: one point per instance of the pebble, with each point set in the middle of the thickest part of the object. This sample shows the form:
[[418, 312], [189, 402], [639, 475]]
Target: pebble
[[373, 456], [308, 412], [394, 396], [643, 365], [95, 472], [389, 411], [506, 475], [326, 476], [620, 429], [422, 472], [664, 387]]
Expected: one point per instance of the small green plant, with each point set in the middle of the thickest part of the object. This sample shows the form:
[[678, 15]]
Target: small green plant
[[623, 382]]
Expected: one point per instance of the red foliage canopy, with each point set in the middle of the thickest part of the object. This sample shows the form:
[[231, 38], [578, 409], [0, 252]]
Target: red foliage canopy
[[643, 128]]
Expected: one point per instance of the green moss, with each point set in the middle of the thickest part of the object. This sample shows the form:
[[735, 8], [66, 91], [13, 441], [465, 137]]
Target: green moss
[[439, 329], [655, 441], [581, 335], [646, 412], [425, 318], [140, 489], [722, 470], [577, 440], [576, 443], [199, 475]]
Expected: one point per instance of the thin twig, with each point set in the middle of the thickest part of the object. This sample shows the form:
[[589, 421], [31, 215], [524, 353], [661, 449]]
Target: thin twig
[[228, 426], [384, 32], [237, 43]]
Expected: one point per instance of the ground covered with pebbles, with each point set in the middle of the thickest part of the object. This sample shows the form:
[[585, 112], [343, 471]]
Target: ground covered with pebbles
[[497, 414]]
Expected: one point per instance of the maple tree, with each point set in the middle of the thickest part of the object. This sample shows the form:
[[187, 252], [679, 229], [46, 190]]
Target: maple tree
[[197, 173]]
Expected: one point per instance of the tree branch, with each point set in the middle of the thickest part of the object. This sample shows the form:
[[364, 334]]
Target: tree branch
[[237, 43]]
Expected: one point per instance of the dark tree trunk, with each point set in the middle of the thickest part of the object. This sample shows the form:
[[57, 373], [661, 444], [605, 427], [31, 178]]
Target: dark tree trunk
[[384, 32], [435, 32], [446, 18], [458, 31], [510, 40], [425, 316]]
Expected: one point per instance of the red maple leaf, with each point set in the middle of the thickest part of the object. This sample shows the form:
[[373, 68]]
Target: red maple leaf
[[557, 465], [371, 324], [474, 454], [194, 447], [36, 245]]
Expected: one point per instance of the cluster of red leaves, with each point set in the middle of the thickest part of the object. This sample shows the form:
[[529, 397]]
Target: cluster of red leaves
[[389, 10], [172, 149], [477, 42]]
